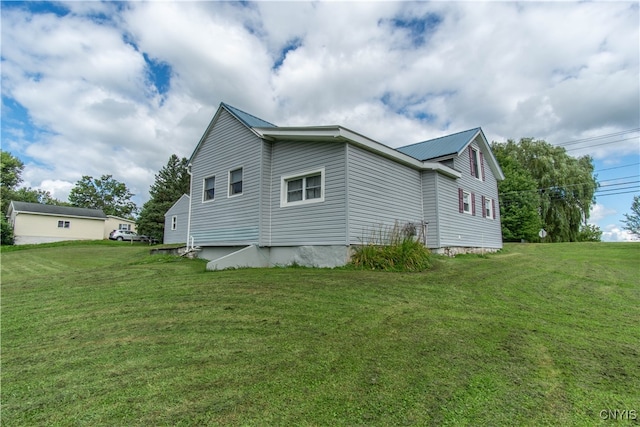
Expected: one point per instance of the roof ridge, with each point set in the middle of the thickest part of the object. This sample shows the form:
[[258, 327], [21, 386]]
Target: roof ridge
[[440, 137], [244, 112]]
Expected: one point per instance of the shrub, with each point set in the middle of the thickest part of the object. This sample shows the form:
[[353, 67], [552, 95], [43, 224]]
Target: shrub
[[397, 248], [6, 232]]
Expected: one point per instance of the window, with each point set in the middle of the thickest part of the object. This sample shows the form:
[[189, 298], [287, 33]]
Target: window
[[476, 163], [235, 182], [209, 188], [174, 222], [63, 224], [488, 206], [466, 202], [303, 188]]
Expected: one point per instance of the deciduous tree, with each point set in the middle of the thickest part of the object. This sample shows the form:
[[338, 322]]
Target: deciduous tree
[[565, 186], [519, 199], [106, 193], [632, 221]]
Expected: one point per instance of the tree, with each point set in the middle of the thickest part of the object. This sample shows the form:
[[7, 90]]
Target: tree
[[590, 233], [106, 193], [518, 197], [565, 186], [10, 176], [170, 184], [632, 222]]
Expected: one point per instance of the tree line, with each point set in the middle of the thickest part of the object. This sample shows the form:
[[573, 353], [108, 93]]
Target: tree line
[[544, 189], [105, 193]]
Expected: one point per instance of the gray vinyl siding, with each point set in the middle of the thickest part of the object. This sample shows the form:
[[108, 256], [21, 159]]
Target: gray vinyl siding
[[381, 193], [226, 220], [463, 229], [266, 195], [321, 223], [181, 211], [430, 207]]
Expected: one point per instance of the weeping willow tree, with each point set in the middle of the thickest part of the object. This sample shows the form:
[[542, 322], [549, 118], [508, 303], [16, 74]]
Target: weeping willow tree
[[565, 185]]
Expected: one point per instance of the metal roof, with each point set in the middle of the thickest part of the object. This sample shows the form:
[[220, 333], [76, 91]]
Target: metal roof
[[440, 147], [38, 208], [248, 119]]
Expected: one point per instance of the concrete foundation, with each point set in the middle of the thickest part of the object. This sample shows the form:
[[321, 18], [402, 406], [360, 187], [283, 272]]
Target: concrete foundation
[[255, 256]]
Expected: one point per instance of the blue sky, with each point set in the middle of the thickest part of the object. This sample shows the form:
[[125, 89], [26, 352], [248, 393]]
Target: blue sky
[[92, 88]]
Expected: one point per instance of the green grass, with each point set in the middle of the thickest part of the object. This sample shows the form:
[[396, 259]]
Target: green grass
[[107, 335]]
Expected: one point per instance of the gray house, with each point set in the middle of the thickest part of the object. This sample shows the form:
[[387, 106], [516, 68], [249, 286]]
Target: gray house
[[265, 195], [176, 220]]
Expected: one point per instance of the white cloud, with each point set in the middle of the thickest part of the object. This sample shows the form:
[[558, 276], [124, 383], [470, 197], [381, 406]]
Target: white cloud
[[397, 72], [598, 212], [613, 233]]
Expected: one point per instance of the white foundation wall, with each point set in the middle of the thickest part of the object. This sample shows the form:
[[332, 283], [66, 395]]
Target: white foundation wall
[[254, 256]]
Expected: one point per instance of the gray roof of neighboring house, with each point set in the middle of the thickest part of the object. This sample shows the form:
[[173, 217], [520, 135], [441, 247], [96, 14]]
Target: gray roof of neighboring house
[[440, 147], [38, 208], [248, 119]]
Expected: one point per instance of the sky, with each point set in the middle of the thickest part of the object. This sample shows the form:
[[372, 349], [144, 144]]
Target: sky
[[95, 88]]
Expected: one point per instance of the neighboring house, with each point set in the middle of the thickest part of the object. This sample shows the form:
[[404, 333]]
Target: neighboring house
[[265, 195], [176, 220], [117, 223], [38, 223]]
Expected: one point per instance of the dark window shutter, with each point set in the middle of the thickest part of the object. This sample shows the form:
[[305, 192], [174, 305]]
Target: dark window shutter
[[493, 208], [482, 165], [460, 200], [484, 211], [473, 203], [473, 171]]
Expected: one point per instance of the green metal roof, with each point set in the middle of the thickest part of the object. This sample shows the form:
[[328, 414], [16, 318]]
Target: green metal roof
[[440, 147], [248, 119]]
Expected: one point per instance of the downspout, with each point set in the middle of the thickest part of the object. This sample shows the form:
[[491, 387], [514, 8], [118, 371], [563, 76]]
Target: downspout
[[190, 202]]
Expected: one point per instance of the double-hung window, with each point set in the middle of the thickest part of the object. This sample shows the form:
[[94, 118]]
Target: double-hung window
[[466, 202], [488, 207], [302, 188], [235, 182], [476, 163], [209, 188]]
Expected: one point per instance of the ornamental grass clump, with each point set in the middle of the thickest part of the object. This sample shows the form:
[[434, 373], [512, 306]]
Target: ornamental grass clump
[[397, 248]]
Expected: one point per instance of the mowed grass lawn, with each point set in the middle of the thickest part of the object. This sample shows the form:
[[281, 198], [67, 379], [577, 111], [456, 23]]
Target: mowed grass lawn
[[104, 334]]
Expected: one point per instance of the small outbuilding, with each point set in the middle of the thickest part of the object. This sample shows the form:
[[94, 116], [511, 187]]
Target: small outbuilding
[[38, 223], [176, 220]]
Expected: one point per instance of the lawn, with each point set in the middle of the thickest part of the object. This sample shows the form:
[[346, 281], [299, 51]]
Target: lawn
[[104, 334]]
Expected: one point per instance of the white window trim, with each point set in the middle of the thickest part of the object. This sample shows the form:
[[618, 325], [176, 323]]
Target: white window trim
[[488, 208], [467, 194], [286, 178], [174, 222], [204, 188], [229, 195]]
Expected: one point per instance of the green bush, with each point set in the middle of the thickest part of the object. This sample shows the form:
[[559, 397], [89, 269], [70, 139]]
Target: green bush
[[392, 249], [6, 232]]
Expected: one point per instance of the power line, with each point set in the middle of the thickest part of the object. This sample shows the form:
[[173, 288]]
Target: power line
[[615, 194], [602, 143], [593, 138], [618, 167]]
